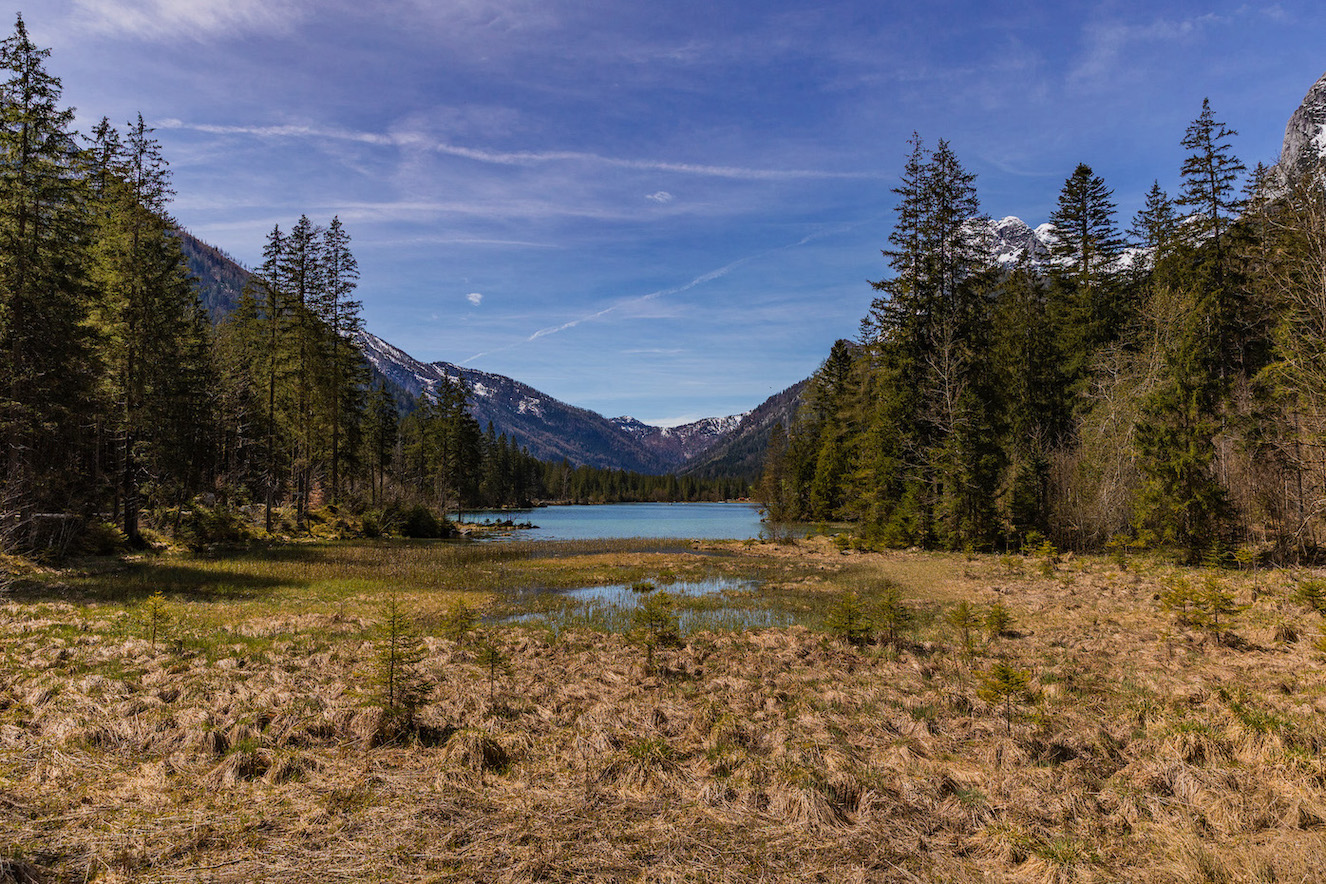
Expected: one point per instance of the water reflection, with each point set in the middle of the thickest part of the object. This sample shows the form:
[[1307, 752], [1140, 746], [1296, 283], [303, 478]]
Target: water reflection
[[716, 604]]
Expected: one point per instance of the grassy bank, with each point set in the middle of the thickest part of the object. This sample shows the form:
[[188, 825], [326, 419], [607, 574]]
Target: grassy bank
[[245, 740]]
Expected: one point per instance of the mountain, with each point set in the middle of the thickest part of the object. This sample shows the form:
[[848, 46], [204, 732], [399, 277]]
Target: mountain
[[680, 444], [741, 451], [220, 278], [1011, 239], [549, 428], [1305, 134]]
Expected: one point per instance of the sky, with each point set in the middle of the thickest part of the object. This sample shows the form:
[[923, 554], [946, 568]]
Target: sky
[[669, 210]]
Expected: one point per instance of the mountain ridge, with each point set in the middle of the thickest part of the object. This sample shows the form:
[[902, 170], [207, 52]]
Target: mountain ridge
[[549, 428]]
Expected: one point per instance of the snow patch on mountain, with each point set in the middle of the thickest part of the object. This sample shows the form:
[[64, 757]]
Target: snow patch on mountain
[[549, 428]]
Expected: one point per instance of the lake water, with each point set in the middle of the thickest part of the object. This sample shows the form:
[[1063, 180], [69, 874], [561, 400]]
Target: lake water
[[715, 604], [686, 521]]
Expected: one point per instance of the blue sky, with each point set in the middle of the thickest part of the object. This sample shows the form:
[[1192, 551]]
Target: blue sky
[[669, 209]]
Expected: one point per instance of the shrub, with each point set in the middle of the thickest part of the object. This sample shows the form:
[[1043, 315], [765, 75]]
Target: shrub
[[421, 522], [1117, 547], [155, 617], [656, 620], [849, 621], [1180, 598], [493, 660], [201, 527], [963, 618], [1005, 685], [998, 621], [893, 616], [459, 620], [371, 525], [1311, 594], [101, 539]]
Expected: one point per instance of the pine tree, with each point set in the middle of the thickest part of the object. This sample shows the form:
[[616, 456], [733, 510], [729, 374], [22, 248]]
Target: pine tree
[[1086, 310], [46, 397], [1210, 177], [340, 314], [1155, 225]]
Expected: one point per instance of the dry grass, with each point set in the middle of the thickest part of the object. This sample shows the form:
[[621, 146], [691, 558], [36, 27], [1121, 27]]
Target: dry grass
[[246, 746]]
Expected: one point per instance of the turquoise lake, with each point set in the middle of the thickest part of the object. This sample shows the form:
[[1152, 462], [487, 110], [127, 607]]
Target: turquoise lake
[[685, 521]]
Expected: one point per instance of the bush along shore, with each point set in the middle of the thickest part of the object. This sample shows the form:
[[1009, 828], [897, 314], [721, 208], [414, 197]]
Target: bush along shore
[[352, 710]]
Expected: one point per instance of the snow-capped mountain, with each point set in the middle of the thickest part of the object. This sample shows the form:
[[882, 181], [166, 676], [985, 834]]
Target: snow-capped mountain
[[680, 443], [549, 428], [1011, 238]]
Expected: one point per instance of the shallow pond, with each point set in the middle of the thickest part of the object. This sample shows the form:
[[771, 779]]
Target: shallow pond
[[714, 604]]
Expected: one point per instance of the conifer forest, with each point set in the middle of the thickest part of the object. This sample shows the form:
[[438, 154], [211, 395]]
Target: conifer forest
[[122, 401], [1159, 385]]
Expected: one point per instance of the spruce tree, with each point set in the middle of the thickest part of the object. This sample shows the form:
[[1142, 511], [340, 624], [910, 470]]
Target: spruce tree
[[382, 433], [340, 314], [152, 334], [1033, 400], [1087, 309], [300, 269], [1210, 182], [1155, 225], [926, 458], [46, 399]]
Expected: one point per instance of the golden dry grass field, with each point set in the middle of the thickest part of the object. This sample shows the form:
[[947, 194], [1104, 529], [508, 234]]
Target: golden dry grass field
[[231, 729]]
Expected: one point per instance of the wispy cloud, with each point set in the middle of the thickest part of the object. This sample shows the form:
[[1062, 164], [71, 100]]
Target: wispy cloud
[[189, 19], [1108, 45], [661, 196], [474, 298], [516, 158], [627, 303]]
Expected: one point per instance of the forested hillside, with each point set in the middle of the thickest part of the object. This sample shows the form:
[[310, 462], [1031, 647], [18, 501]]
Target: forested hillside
[[741, 452], [218, 278], [1160, 385], [122, 400]]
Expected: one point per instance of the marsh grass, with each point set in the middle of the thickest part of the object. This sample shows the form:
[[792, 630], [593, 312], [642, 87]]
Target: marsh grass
[[1144, 749]]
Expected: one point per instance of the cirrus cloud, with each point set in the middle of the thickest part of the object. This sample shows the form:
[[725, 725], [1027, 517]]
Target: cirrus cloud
[[190, 19]]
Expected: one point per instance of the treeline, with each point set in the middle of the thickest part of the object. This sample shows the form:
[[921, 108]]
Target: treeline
[[569, 484], [104, 351], [120, 401], [439, 450], [1162, 386]]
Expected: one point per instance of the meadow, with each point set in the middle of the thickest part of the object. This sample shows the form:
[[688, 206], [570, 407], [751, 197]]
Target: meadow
[[921, 717]]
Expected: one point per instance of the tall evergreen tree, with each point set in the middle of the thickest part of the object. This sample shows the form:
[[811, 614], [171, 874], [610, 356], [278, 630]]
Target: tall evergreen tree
[[1087, 307], [1210, 181], [923, 464], [152, 332], [45, 356], [340, 314]]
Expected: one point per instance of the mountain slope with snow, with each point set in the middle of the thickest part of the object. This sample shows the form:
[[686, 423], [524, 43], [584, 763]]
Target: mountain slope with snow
[[549, 428]]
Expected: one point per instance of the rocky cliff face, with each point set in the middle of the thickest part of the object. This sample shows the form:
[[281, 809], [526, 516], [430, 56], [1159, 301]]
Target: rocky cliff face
[[1011, 239], [1305, 136]]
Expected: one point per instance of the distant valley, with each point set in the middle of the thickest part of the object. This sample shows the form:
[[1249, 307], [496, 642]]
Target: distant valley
[[731, 445]]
